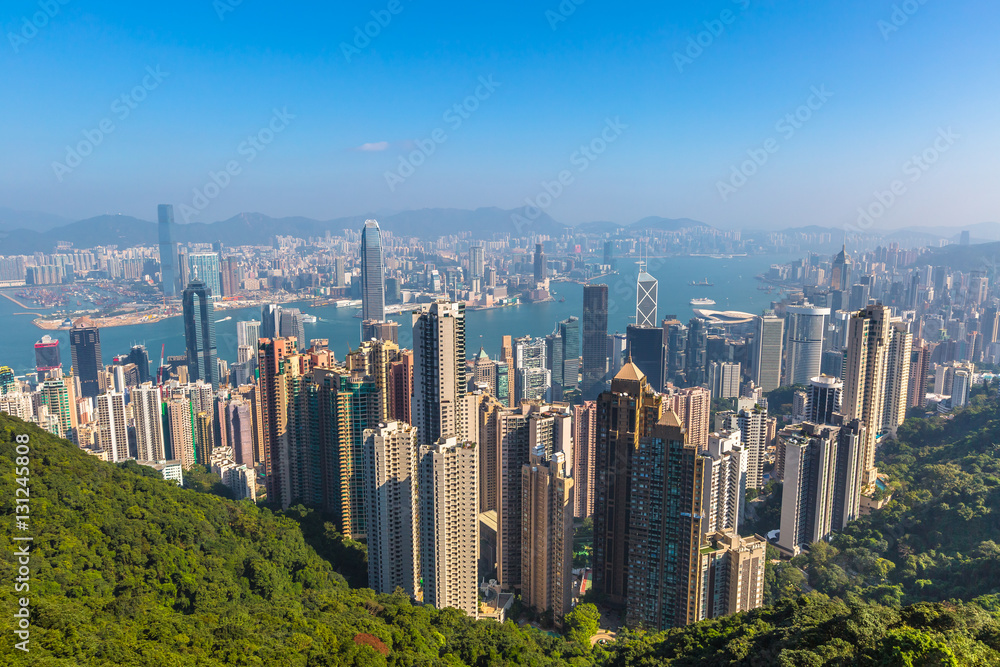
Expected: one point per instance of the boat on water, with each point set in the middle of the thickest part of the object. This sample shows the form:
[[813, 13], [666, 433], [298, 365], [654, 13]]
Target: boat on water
[[224, 319], [703, 283], [308, 319], [702, 302], [562, 300]]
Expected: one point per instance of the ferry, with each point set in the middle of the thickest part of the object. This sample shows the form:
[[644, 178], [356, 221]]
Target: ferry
[[702, 302], [703, 283], [308, 319]]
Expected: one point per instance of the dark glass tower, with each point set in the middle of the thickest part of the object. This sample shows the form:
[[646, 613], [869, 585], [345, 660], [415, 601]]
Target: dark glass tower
[[372, 273], [199, 333], [85, 347], [570, 330], [168, 250], [645, 347], [140, 357], [595, 335], [539, 263]]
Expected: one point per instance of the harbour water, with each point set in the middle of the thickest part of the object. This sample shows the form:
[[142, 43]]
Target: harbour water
[[734, 288]]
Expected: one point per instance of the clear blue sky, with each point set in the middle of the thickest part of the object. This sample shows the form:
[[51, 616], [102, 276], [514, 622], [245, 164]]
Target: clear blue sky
[[892, 91]]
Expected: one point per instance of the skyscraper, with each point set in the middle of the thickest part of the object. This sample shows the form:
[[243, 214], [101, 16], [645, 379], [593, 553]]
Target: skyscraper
[[248, 333], [168, 251], [199, 334], [625, 414], [532, 379], [723, 484], [767, 352], [810, 453], [291, 325], [694, 406], [449, 525], [584, 453], [663, 528], [547, 533], [570, 331], [147, 407], [897, 376], [645, 301], [477, 264], [393, 540], [438, 371], [140, 357], [864, 379], [47, 357], [372, 273], [85, 347], [204, 266], [540, 268], [112, 427], [841, 273], [595, 336], [752, 423], [724, 379], [824, 399], [806, 327], [644, 346]]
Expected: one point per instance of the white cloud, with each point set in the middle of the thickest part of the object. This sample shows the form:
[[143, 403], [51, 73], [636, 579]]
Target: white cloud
[[373, 147]]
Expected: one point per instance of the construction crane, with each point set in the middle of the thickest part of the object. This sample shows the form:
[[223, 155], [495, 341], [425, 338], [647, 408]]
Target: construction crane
[[159, 371]]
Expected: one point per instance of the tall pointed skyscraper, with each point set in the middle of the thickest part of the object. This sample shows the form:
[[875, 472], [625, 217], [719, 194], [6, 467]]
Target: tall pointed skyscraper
[[168, 250], [199, 333], [645, 300], [372, 273]]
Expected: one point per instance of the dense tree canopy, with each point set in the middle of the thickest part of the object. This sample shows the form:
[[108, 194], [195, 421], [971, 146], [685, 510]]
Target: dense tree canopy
[[128, 569]]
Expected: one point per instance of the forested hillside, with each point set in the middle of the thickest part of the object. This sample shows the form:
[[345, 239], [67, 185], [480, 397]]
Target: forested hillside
[[130, 570], [938, 537]]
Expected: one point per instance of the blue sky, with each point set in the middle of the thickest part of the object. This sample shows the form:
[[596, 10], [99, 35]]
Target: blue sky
[[685, 119]]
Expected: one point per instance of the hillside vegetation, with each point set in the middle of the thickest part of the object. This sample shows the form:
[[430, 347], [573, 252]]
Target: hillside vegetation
[[131, 570]]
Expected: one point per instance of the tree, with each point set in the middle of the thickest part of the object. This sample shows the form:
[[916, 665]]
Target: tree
[[582, 623]]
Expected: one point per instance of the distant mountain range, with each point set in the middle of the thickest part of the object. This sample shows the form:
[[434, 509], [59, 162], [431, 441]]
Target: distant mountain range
[[26, 232]]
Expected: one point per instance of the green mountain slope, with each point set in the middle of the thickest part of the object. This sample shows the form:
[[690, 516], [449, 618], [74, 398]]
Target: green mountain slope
[[130, 570]]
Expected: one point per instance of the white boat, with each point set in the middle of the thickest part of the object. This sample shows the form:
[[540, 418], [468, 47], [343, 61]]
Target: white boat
[[702, 302], [308, 319]]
